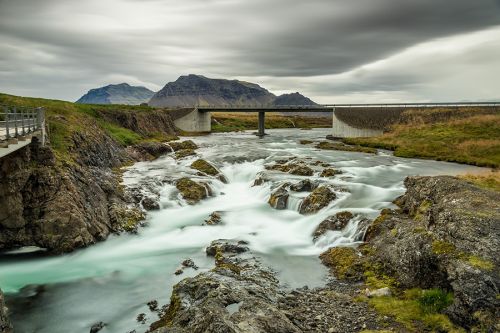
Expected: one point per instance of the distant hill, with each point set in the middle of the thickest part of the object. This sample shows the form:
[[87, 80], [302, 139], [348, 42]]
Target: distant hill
[[293, 99], [117, 94], [190, 90]]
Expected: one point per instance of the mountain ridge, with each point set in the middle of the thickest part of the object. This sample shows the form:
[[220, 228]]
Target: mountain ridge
[[121, 93]]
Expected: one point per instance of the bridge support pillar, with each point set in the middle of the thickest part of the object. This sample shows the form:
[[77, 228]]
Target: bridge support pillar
[[262, 116]]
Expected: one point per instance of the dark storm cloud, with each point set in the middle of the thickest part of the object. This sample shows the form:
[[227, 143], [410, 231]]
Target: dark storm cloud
[[60, 48]]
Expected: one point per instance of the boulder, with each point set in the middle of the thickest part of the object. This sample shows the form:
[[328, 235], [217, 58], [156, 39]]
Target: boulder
[[318, 199], [335, 222], [180, 145], [214, 219], [279, 198], [150, 203], [305, 185], [5, 325], [97, 327], [226, 246], [238, 295], [153, 149], [208, 169], [191, 191], [330, 172], [301, 170], [184, 153], [444, 236]]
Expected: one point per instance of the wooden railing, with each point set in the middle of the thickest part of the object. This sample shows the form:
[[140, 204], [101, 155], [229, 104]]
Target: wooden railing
[[19, 122]]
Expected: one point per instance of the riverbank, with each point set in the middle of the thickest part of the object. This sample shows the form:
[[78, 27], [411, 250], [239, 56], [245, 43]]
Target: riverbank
[[468, 137], [234, 122]]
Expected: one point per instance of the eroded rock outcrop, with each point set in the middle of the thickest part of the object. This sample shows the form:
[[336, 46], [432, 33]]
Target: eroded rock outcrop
[[317, 200], [446, 235], [238, 295], [5, 325]]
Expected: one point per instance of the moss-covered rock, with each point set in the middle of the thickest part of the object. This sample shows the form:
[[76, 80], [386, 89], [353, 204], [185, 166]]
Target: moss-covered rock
[[191, 191], [335, 222], [180, 145], [344, 262], [301, 170], [330, 172], [208, 169], [279, 198], [318, 199], [184, 153]]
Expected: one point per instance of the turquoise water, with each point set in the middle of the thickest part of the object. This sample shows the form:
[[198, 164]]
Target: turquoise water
[[112, 281]]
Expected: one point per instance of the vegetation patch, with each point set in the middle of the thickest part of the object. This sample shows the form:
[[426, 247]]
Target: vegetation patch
[[443, 247], [471, 137], [343, 147], [418, 310], [489, 180], [480, 263]]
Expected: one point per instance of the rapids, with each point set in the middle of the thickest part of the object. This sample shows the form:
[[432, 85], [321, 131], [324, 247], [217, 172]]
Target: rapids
[[112, 281]]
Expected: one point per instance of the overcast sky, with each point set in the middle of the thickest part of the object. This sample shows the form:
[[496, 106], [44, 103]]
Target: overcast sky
[[330, 50]]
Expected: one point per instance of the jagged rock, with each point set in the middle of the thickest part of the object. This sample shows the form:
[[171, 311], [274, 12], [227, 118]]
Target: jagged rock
[[150, 203], [5, 325], [97, 327], [184, 153], [207, 168], [445, 236], [214, 219], [151, 150], [189, 263], [180, 145], [305, 185], [330, 172], [260, 179], [226, 246], [335, 222], [238, 295], [279, 198], [318, 199], [191, 191], [301, 170]]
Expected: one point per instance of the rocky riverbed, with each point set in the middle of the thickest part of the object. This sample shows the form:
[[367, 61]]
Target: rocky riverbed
[[247, 235]]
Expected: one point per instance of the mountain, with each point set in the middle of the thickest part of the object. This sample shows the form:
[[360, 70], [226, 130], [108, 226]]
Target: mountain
[[117, 94], [190, 90], [293, 99]]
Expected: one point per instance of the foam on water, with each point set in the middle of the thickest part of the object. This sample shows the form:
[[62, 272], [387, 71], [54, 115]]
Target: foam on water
[[113, 280]]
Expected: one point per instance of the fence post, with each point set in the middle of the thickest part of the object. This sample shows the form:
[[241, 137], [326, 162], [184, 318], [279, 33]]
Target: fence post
[[7, 135], [16, 117]]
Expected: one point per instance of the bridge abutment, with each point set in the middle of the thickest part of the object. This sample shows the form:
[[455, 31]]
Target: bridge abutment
[[195, 121], [343, 130]]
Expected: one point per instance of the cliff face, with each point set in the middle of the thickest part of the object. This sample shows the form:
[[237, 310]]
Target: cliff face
[[193, 90], [117, 94], [5, 326], [69, 198]]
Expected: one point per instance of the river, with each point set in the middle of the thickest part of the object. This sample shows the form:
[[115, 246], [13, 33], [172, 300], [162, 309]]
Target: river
[[112, 281]]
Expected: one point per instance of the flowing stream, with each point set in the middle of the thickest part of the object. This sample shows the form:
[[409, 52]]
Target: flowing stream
[[112, 281]]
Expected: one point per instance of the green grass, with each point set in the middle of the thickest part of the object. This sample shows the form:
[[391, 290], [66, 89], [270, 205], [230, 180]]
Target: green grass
[[233, 122], [472, 140], [418, 310], [66, 118]]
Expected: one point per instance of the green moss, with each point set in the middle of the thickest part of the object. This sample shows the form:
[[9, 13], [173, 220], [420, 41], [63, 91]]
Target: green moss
[[415, 316], [205, 167], [480, 263], [344, 263], [190, 190], [184, 153], [443, 247], [122, 135], [340, 146], [422, 210], [375, 279], [434, 300]]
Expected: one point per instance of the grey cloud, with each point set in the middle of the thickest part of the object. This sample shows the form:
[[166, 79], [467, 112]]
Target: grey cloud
[[57, 48]]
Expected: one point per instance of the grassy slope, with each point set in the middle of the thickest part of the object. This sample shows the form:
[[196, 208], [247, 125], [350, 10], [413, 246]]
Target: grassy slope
[[65, 118], [228, 122], [474, 139]]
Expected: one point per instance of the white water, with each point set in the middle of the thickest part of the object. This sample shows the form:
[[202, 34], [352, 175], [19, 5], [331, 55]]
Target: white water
[[112, 281]]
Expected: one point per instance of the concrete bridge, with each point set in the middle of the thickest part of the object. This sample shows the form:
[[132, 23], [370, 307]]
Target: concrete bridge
[[18, 126], [199, 120]]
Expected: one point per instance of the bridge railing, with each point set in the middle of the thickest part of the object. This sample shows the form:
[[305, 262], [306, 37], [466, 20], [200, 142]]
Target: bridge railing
[[18, 122]]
